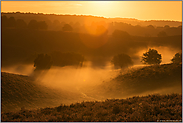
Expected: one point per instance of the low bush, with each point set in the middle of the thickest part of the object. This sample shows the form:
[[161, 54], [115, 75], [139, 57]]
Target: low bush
[[142, 109]]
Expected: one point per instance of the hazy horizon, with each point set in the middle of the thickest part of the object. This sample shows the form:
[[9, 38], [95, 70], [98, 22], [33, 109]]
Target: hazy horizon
[[134, 19], [140, 10]]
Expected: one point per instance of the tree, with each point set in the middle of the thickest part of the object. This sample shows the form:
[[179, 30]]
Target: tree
[[67, 27], [150, 27], [11, 22], [43, 62], [42, 25], [162, 34], [4, 21], [33, 24], [21, 23], [151, 57], [56, 22], [122, 60], [177, 58], [121, 34], [166, 26]]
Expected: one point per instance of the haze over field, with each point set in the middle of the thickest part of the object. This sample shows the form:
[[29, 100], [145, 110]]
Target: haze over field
[[65, 52]]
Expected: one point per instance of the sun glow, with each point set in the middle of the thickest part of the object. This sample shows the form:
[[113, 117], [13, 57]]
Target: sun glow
[[101, 8], [142, 10]]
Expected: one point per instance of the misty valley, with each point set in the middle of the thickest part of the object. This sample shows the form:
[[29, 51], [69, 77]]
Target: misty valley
[[87, 68]]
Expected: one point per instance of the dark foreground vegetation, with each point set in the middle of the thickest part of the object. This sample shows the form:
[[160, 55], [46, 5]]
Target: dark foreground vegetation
[[146, 108]]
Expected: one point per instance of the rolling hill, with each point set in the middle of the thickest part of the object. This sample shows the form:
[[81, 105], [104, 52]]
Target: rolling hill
[[150, 93], [19, 91]]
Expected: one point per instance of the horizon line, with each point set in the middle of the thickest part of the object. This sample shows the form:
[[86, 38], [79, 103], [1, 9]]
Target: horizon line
[[57, 14]]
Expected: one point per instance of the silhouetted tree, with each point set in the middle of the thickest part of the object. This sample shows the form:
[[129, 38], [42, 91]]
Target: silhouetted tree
[[151, 57], [180, 26], [120, 34], [42, 25], [11, 22], [177, 58], [4, 21], [56, 25], [67, 27], [62, 23], [122, 60], [150, 26], [20, 23], [42, 61], [33, 24], [56, 22], [162, 34], [166, 26]]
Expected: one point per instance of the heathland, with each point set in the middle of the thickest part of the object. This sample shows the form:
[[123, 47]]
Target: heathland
[[21, 91]]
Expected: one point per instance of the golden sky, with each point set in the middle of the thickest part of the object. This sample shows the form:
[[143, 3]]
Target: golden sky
[[142, 10]]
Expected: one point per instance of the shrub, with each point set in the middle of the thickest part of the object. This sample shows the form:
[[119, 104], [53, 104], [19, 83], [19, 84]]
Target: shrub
[[177, 58], [116, 109]]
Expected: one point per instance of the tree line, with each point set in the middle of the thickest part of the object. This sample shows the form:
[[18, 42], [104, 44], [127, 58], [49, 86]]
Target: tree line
[[151, 57], [11, 22], [21, 24], [45, 61], [61, 25]]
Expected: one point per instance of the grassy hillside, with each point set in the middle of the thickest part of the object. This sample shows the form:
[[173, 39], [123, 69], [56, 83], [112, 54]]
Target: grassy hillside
[[148, 108], [20, 91], [166, 78]]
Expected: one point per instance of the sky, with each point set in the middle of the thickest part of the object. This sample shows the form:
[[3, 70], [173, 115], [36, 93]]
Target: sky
[[141, 10]]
